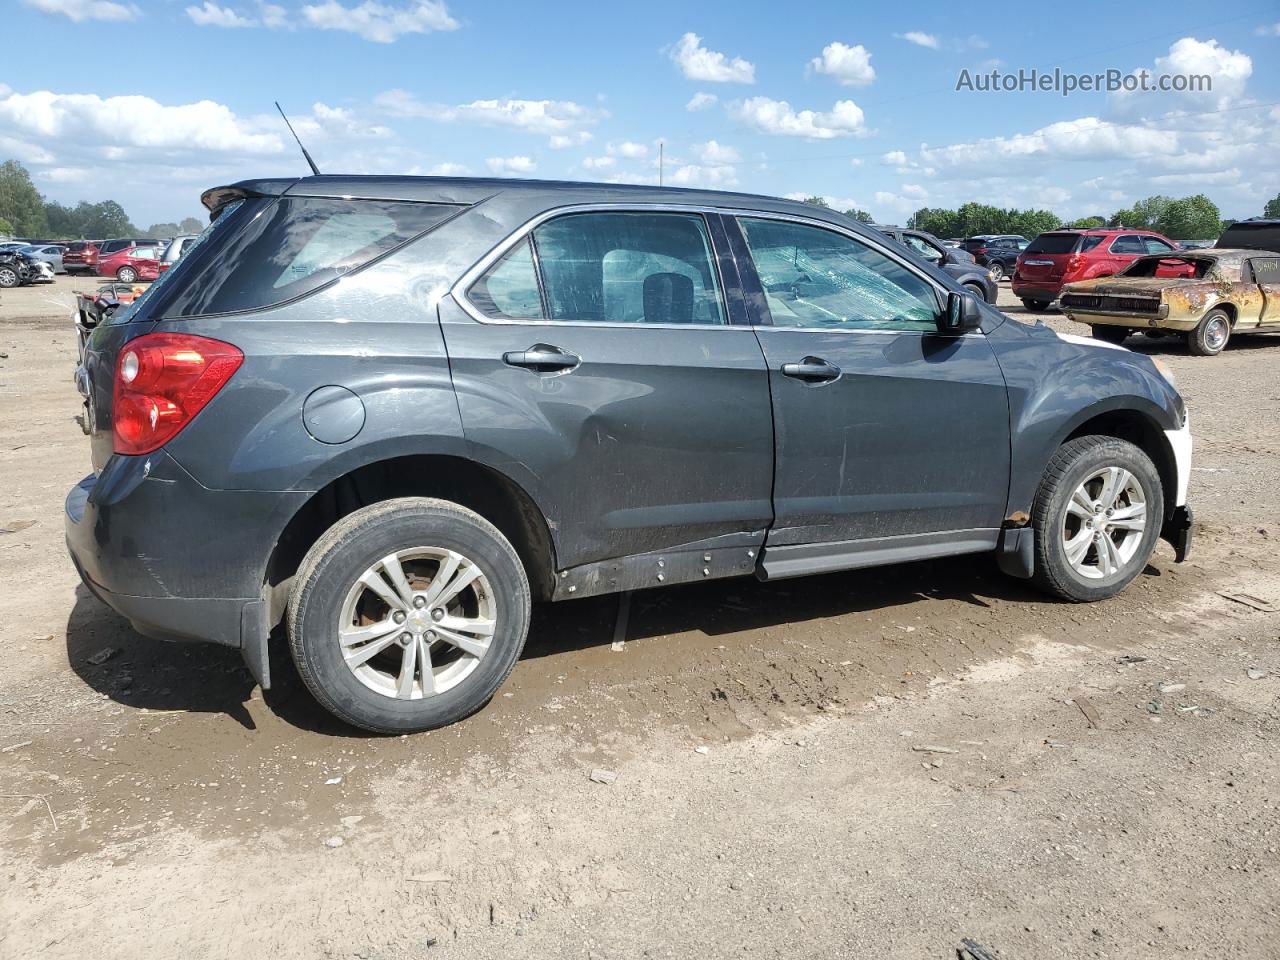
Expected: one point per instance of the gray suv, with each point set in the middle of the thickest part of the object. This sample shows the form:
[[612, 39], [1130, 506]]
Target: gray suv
[[379, 416]]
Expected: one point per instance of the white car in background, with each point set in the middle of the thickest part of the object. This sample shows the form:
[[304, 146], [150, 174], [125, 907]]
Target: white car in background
[[46, 253]]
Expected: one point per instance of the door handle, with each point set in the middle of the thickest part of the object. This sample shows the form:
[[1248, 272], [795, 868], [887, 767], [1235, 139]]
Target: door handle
[[541, 358], [811, 370]]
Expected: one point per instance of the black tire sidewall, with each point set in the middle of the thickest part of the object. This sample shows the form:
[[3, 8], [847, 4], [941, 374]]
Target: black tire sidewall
[[1083, 457], [313, 625], [1111, 334]]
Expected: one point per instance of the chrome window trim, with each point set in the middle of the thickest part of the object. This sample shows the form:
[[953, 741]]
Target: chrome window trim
[[495, 253]]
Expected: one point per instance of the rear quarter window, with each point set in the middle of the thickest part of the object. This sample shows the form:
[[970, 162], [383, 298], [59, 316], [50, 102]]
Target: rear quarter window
[[276, 251]]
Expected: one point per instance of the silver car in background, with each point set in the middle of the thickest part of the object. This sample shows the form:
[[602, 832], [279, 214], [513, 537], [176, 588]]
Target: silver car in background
[[175, 249], [46, 253]]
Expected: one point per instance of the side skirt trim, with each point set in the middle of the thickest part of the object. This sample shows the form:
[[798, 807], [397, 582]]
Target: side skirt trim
[[801, 560]]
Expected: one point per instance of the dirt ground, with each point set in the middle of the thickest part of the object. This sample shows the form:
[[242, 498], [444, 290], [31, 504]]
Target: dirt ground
[[1105, 783]]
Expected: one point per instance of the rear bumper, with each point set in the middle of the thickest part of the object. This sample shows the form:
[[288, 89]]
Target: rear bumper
[[179, 561], [1035, 290]]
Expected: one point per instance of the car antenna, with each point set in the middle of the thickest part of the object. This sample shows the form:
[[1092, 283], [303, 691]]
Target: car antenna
[[306, 156]]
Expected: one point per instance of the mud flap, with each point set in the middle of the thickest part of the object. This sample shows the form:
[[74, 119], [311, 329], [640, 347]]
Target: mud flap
[[1015, 554], [1179, 530], [253, 641]]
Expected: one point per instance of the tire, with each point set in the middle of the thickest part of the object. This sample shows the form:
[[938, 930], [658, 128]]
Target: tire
[[127, 275], [997, 270], [1211, 334], [977, 291], [9, 277], [1108, 333], [1078, 465], [1035, 306], [371, 694]]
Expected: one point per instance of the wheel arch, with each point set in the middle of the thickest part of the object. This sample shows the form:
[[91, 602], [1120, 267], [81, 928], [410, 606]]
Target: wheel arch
[[479, 487], [1145, 433]]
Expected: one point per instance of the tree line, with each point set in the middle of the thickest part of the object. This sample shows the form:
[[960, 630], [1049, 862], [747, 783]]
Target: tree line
[[25, 213], [1185, 218]]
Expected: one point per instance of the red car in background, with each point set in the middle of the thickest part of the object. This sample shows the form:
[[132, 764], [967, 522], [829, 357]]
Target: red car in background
[[130, 264], [80, 257], [1059, 257]]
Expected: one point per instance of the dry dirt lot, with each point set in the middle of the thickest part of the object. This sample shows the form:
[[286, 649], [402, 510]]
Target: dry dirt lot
[[1107, 786]]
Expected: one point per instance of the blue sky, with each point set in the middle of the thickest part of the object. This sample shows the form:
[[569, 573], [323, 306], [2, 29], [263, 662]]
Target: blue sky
[[150, 101]]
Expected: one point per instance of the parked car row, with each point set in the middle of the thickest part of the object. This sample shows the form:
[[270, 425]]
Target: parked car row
[[126, 259]]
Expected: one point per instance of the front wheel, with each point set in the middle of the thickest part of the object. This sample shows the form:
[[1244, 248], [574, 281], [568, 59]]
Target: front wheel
[[1110, 334], [407, 615], [997, 270], [1035, 306], [9, 277], [1211, 334], [1096, 518], [126, 275]]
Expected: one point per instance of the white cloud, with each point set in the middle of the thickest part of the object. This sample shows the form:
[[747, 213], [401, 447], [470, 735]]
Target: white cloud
[[701, 101], [1086, 138], [561, 141], [274, 16], [448, 170], [1230, 69], [536, 116], [920, 39], [835, 203], [378, 22], [778, 118], [82, 10], [894, 158], [627, 148], [851, 66], [131, 122], [702, 175], [209, 14], [717, 154], [326, 122], [507, 166], [598, 163], [1268, 30], [696, 62]]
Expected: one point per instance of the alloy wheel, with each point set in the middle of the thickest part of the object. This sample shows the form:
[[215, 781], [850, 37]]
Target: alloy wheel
[[1103, 523], [417, 622]]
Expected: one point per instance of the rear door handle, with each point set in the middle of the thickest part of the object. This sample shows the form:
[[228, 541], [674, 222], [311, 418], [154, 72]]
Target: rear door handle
[[541, 358], [812, 370]]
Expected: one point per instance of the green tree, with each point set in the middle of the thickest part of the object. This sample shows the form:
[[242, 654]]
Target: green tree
[[817, 202], [1191, 218], [860, 215], [1089, 223], [1272, 209], [158, 230], [62, 221], [935, 220], [1031, 223], [20, 201], [6, 228], [190, 225], [100, 221], [1143, 215]]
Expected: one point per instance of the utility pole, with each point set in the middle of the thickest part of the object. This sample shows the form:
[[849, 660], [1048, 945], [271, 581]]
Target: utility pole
[[661, 158]]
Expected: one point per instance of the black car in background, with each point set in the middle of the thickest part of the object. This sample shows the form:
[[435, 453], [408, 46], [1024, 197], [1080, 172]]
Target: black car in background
[[996, 252], [1256, 233], [955, 261]]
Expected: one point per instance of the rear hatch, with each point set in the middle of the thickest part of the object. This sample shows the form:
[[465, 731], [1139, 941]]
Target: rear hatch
[[1257, 234], [1048, 256]]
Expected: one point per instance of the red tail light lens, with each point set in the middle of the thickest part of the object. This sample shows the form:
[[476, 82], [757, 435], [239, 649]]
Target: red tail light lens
[[979, 250], [162, 381], [1075, 262]]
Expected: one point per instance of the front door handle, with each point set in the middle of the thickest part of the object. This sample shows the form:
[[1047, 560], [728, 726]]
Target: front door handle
[[812, 370], [541, 358]]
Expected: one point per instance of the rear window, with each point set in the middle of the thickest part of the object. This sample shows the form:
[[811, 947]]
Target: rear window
[[1055, 243], [1260, 235], [271, 252]]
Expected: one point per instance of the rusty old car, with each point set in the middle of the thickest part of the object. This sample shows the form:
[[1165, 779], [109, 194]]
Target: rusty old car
[[1205, 295]]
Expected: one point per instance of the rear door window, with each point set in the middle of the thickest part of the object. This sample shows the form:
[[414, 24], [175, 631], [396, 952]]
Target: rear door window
[[1156, 245], [276, 251], [1128, 244]]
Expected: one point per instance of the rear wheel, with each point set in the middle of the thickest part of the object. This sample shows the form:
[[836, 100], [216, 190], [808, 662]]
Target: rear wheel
[[1096, 518], [997, 270], [1211, 334], [1110, 334], [8, 277], [407, 615], [1035, 306], [126, 275]]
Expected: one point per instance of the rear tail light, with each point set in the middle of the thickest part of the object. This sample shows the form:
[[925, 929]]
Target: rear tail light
[[1075, 262], [162, 381], [977, 250]]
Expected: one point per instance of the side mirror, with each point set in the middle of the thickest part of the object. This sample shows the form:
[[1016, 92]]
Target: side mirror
[[962, 315]]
